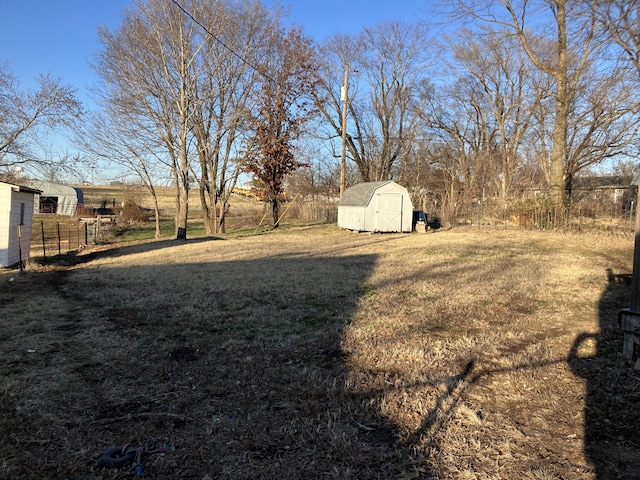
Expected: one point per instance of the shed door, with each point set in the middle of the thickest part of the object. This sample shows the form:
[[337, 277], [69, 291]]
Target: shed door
[[389, 212]]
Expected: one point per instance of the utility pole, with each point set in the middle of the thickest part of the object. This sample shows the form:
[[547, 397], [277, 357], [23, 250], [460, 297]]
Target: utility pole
[[345, 99]]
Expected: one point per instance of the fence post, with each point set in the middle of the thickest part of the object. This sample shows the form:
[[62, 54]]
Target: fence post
[[20, 247], [44, 246], [58, 238], [580, 224]]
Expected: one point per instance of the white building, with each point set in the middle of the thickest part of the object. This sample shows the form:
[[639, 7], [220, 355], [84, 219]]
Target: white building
[[376, 207], [56, 198], [16, 218]]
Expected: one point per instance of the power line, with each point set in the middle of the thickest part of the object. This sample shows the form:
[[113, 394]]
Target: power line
[[233, 52]]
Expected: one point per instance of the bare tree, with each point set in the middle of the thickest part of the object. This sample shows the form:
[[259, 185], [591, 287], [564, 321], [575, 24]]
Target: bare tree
[[27, 116], [394, 58], [462, 151], [572, 32], [621, 19], [336, 56], [146, 68], [495, 64], [226, 72], [603, 122], [391, 59], [191, 72], [113, 139]]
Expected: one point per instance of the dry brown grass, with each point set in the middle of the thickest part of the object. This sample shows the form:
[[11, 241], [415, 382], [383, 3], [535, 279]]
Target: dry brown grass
[[317, 353]]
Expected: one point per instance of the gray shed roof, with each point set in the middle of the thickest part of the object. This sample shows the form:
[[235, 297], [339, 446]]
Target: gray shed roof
[[360, 194]]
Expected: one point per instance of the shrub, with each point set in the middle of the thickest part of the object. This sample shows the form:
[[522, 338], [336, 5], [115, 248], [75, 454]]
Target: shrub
[[133, 213]]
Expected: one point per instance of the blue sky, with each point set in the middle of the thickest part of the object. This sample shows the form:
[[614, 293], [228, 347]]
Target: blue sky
[[59, 37], [323, 17], [54, 36]]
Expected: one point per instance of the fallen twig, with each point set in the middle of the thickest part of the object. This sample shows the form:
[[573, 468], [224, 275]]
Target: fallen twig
[[129, 416]]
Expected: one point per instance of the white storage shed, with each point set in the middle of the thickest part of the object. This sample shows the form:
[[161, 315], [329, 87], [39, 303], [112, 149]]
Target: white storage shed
[[16, 218], [376, 207]]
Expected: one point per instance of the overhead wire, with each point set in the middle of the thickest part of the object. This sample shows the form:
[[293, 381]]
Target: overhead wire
[[224, 45]]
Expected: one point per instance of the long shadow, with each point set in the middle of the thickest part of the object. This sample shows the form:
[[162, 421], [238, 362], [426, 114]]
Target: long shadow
[[79, 257], [612, 402], [237, 364]]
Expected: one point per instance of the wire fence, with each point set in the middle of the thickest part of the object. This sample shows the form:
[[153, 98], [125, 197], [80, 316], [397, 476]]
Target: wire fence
[[619, 222], [53, 235], [314, 211], [41, 240], [50, 238], [605, 217]]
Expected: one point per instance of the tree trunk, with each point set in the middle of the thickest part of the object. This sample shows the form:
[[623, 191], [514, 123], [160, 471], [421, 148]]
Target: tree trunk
[[560, 126], [504, 178], [178, 204], [221, 224], [183, 206], [209, 207], [183, 213], [275, 209], [156, 211]]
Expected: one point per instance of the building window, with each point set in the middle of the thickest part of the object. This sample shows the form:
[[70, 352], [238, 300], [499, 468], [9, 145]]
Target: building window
[[22, 214]]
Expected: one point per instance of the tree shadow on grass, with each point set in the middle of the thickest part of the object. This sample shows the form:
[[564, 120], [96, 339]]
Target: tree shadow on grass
[[237, 364], [612, 403], [114, 250]]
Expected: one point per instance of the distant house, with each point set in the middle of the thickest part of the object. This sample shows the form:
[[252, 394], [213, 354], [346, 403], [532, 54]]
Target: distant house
[[594, 192], [56, 198], [16, 217], [376, 207]]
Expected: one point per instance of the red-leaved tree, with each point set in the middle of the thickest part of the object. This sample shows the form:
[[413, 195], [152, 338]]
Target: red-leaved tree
[[283, 106]]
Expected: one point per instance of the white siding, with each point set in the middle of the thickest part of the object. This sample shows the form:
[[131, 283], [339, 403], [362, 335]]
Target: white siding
[[5, 210], [389, 212], [15, 207], [376, 207], [352, 218]]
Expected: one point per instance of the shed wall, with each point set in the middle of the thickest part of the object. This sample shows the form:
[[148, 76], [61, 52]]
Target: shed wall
[[388, 208], [5, 210], [65, 204], [352, 218], [15, 207]]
